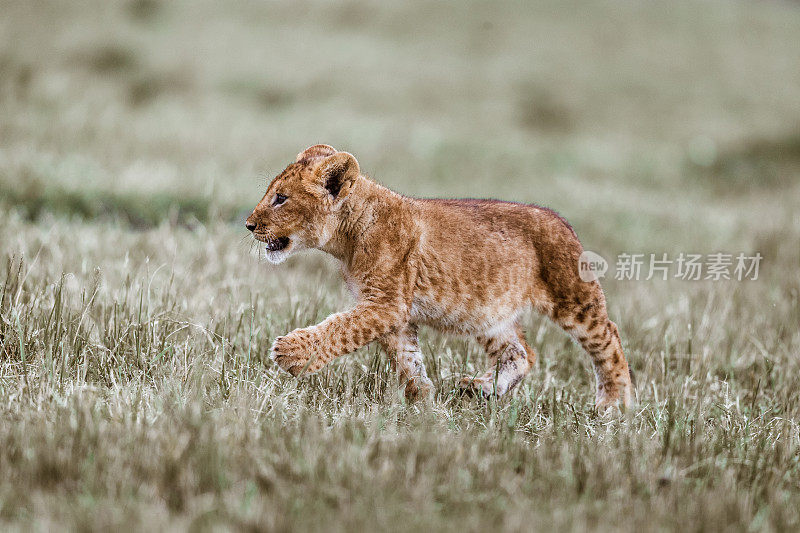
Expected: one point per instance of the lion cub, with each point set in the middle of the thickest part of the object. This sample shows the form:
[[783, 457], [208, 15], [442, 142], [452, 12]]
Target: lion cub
[[464, 266]]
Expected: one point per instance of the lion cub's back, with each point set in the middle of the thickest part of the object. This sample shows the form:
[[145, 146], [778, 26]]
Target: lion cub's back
[[493, 226]]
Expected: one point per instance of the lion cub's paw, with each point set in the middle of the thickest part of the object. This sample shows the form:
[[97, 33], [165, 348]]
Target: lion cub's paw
[[418, 388], [475, 386], [612, 400], [295, 353]]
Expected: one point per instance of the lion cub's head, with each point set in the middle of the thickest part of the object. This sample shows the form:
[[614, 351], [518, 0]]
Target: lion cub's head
[[300, 208]]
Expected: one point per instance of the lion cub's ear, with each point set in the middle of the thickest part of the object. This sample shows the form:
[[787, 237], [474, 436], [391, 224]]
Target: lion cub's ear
[[337, 174], [318, 150]]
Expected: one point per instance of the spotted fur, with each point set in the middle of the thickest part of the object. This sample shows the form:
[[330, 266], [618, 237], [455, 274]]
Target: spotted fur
[[469, 267]]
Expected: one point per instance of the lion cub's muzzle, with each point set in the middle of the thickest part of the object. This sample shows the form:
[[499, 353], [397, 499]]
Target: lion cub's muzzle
[[275, 245]]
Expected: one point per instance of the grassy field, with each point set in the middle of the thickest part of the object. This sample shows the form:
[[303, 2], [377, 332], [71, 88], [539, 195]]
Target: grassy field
[[135, 309]]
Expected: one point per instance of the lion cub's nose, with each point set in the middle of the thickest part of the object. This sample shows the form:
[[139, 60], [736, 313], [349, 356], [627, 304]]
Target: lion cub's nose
[[250, 225]]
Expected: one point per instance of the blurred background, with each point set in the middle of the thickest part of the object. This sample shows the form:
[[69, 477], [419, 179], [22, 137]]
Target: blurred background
[[651, 127]]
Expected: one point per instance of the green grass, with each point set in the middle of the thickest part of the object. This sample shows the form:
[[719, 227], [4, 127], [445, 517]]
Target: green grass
[[135, 310]]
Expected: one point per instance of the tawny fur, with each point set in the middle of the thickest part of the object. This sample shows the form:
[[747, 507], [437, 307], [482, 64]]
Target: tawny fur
[[464, 266]]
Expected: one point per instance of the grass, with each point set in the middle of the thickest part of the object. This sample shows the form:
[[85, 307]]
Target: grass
[[135, 311], [135, 394]]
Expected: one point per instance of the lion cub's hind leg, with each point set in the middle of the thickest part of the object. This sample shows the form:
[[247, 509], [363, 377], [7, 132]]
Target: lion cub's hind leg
[[587, 321], [403, 347], [510, 359]]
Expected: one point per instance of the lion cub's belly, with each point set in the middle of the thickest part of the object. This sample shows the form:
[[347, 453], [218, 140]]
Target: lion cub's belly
[[462, 315]]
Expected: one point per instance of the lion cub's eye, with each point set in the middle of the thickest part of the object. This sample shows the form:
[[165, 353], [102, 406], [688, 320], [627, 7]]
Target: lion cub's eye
[[279, 199]]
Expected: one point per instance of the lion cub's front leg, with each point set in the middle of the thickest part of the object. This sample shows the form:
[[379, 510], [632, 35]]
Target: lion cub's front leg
[[305, 351], [403, 347]]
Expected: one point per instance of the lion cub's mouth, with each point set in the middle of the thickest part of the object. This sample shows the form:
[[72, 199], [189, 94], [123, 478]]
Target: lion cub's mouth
[[274, 245]]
